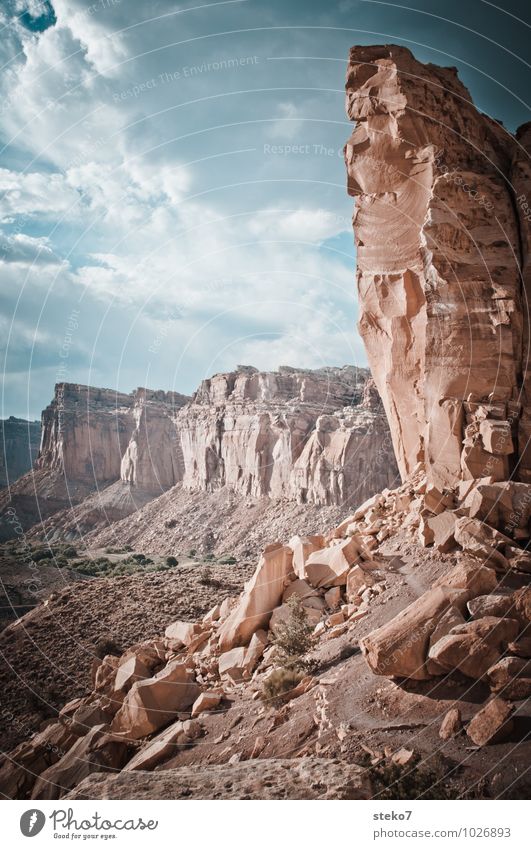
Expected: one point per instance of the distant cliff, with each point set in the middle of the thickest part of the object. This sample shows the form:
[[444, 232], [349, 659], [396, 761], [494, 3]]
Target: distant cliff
[[19, 446], [311, 436]]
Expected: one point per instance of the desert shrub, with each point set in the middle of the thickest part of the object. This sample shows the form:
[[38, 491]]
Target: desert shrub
[[205, 576], [391, 781], [69, 551], [140, 558], [43, 554], [87, 567], [279, 683], [172, 561], [192, 552], [107, 645], [227, 560], [294, 638]]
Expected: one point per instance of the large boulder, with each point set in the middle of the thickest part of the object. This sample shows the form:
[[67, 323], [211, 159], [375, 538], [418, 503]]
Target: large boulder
[[494, 604], [400, 647], [163, 746], [20, 768], [302, 547], [492, 724], [97, 751], [152, 703], [474, 646], [511, 678], [470, 575], [329, 567], [483, 542], [260, 597]]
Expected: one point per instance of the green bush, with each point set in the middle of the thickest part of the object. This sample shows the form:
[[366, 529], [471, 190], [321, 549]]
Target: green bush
[[69, 551], [172, 561], [43, 554]]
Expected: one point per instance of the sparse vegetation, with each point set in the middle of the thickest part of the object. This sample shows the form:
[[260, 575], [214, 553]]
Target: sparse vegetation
[[171, 561], [279, 683], [294, 638], [107, 645], [227, 560]]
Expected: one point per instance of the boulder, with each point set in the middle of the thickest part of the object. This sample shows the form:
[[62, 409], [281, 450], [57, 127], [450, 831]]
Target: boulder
[[492, 724], [470, 575], [448, 620], [436, 501], [152, 703], [400, 647], [260, 597], [204, 702], [483, 542], [301, 589], [494, 604], [511, 677], [182, 632], [521, 647], [160, 748], [20, 770], [333, 596], [473, 647], [358, 577], [302, 547], [232, 663], [97, 751], [451, 724], [129, 672], [522, 606], [442, 527], [328, 567], [254, 651]]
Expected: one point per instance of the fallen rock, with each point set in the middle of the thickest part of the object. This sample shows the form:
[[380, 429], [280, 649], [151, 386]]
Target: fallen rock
[[206, 701], [521, 647], [332, 597], [96, 751], [260, 597], [254, 652], [232, 663], [302, 547], [451, 724], [473, 647], [182, 632], [152, 703], [442, 527], [359, 577], [470, 575], [511, 677], [481, 541], [494, 604], [403, 757], [400, 647], [129, 672], [160, 748], [20, 769], [328, 567], [492, 724]]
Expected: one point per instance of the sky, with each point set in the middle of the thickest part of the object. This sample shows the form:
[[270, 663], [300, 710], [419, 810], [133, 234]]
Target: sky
[[172, 188]]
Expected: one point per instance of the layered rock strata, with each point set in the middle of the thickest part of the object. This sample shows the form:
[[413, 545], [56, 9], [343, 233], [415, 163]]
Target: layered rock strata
[[313, 437], [442, 251]]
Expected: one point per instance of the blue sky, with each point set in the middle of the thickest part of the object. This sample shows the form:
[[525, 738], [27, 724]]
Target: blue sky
[[172, 197]]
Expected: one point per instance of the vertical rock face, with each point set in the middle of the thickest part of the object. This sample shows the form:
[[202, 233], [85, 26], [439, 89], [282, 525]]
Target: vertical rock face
[[439, 239], [19, 445], [311, 436]]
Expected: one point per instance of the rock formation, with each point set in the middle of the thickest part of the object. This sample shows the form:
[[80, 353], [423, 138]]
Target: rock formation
[[443, 267], [313, 437], [19, 445]]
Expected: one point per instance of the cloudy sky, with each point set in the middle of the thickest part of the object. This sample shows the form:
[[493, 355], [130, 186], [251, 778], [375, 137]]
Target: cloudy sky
[[172, 196]]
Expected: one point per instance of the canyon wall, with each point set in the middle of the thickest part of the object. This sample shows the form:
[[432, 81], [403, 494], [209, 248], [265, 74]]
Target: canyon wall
[[441, 235], [317, 437], [19, 446]]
